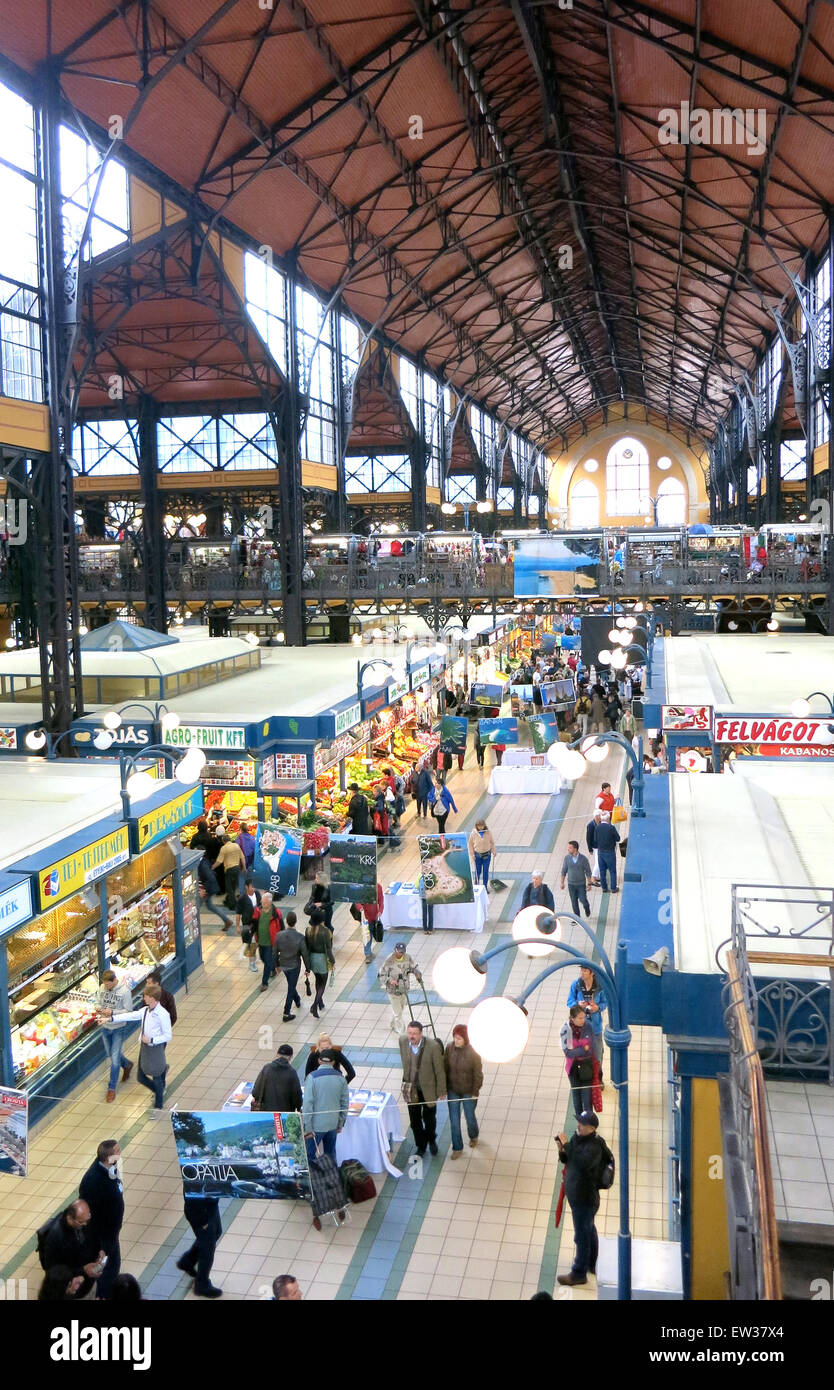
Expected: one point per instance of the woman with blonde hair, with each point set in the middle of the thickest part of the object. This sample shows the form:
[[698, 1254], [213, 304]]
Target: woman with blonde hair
[[340, 1061], [482, 849]]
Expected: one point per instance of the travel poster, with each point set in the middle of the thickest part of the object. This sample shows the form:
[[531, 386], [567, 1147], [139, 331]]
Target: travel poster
[[453, 732], [487, 696], [549, 566], [277, 860], [353, 868], [543, 731], [498, 730], [558, 692], [14, 1132], [446, 870], [246, 1155]]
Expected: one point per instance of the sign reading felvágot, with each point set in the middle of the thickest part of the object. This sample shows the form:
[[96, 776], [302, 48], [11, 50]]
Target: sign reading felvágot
[[765, 729], [205, 736], [68, 876]]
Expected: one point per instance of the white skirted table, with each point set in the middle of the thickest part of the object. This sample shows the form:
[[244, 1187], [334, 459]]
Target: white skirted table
[[526, 781], [403, 911], [368, 1135]]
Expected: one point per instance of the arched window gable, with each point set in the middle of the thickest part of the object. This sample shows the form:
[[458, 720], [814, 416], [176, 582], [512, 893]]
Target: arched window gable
[[671, 503], [583, 509]]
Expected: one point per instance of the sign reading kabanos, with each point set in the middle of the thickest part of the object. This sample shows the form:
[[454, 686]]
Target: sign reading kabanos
[[765, 729]]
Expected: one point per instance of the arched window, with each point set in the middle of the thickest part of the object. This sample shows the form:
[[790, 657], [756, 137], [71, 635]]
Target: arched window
[[626, 477], [671, 503], [584, 505]]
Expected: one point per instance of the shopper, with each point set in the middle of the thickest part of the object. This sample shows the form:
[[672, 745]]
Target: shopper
[[201, 837], [537, 893], [393, 976], [598, 719], [591, 842], [263, 921], [424, 1084], [359, 811], [247, 843], [479, 747], [464, 1079], [155, 1036], [425, 787], [69, 1241], [340, 1061], [320, 898], [441, 808], [290, 951], [607, 838], [209, 886], [102, 1189], [578, 1047], [325, 1108], [59, 1285], [114, 997], [628, 724], [499, 750], [245, 921], [605, 800], [586, 1156], [322, 960], [166, 998], [126, 1290], [588, 992], [368, 915], [576, 871], [482, 849], [285, 1289], [277, 1086], [203, 1216], [582, 712], [232, 863]]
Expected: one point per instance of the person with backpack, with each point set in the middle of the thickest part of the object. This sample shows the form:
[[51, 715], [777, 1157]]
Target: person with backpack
[[322, 959], [68, 1239], [582, 712], [589, 1167], [578, 1046], [588, 992]]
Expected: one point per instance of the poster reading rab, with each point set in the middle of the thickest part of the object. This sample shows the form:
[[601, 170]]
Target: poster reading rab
[[14, 1131], [277, 860], [498, 730], [453, 732], [257, 1155], [353, 868], [446, 870]]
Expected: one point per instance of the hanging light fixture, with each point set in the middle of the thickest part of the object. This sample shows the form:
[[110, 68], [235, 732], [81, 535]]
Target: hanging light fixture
[[455, 978], [533, 922], [498, 1030]]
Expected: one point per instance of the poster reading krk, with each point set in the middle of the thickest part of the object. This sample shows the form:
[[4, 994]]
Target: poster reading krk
[[353, 868]]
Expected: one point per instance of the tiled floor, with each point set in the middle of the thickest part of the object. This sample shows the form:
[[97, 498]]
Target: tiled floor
[[478, 1228], [801, 1132]]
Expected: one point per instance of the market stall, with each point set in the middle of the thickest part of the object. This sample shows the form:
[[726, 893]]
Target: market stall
[[403, 910]]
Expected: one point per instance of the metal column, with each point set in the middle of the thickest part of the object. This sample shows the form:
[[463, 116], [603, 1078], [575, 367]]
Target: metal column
[[153, 542], [286, 424]]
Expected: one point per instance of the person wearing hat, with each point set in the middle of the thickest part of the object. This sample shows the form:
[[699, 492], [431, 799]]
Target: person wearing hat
[[607, 837], [393, 976], [537, 893], [585, 1156]]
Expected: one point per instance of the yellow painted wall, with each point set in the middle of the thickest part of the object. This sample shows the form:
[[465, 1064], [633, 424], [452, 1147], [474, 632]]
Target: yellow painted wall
[[322, 475], [24, 424], [710, 1245], [567, 469], [147, 209]]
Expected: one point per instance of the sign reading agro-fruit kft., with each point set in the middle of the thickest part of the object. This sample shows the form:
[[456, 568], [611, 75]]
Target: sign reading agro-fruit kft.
[[277, 860], [353, 868], [205, 736]]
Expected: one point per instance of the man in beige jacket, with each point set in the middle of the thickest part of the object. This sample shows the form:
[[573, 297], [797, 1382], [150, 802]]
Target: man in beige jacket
[[424, 1084]]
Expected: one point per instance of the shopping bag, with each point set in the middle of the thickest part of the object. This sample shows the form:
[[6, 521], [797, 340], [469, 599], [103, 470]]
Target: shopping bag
[[618, 815]]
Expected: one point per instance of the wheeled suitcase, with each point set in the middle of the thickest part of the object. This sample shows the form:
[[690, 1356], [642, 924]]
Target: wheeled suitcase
[[357, 1183], [326, 1185]]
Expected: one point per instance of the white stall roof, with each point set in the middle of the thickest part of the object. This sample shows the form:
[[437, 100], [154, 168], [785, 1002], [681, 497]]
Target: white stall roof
[[43, 802], [757, 827], [157, 661], [758, 673]]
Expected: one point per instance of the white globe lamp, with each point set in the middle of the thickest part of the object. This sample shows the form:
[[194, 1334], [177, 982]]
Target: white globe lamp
[[594, 752], [455, 978], [801, 708], [604, 657], [112, 719], [619, 660], [573, 765], [536, 922], [140, 785], [35, 739], [498, 1030], [103, 740]]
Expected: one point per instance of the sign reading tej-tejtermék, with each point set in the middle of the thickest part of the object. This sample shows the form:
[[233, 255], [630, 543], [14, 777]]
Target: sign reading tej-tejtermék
[[205, 736], [763, 728]]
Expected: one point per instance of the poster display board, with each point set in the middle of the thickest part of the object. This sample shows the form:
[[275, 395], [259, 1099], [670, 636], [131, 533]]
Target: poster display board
[[277, 859], [498, 730], [698, 718], [559, 692], [453, 732], [247, 1155], [353, 868], [14, 1132], [543, 731], [487, 696], [548, 566], [446, 870]]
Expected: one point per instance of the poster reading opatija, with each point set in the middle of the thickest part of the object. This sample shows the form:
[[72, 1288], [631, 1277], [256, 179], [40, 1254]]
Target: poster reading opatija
[[14, 1132], [277, 860], [446, 870], [353, 868], [247, 1155]]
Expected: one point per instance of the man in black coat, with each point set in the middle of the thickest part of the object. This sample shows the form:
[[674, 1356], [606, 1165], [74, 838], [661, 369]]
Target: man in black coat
[[278, 1086], [591, 841], [203, 1216], [359, 812], [585, 1156], [607, 838], [70, 1241], [102, 1189]]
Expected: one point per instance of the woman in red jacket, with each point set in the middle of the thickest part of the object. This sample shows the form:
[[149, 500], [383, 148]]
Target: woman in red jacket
[[371, 912]]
